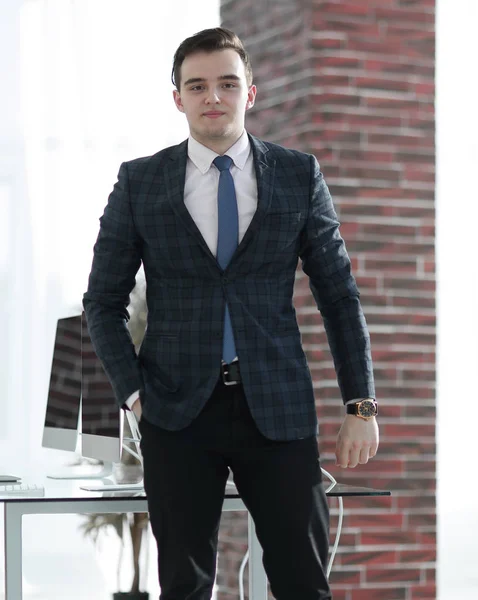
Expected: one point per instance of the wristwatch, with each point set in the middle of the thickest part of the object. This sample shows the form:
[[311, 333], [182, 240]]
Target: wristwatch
[[365, 409]]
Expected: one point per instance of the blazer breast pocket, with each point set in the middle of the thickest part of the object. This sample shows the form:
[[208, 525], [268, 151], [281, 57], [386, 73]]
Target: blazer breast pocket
[[280, 232]]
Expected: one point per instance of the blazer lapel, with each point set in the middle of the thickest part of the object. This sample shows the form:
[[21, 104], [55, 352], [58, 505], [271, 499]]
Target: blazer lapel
[[264, 166], [175, 177]]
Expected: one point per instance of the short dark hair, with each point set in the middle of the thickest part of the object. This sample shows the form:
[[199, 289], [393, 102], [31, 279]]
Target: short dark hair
[[209, 40]]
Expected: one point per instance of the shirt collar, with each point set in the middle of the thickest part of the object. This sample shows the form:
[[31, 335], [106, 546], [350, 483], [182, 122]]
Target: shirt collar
[[202, 157]]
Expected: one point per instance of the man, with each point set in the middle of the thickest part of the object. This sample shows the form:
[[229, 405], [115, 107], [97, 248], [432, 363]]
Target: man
[[221, 380]]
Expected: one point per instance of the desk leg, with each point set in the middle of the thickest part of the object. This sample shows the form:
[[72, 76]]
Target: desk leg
[[257, 575], [13, 551]]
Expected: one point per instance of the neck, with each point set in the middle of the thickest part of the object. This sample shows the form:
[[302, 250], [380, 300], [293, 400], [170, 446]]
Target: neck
[[219, 145]]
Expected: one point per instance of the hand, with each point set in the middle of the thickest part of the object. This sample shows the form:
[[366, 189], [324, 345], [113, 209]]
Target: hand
[[357, 441], [136, 408]]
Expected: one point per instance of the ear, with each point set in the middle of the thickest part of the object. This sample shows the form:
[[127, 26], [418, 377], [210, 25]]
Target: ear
[[251, 97], [178, 101]]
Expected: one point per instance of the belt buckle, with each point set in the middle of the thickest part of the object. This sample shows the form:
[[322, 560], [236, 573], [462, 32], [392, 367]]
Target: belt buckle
[[225, 373]]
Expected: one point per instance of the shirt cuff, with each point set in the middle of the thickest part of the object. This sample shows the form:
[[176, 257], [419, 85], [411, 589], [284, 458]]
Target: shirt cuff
[[131, 400]]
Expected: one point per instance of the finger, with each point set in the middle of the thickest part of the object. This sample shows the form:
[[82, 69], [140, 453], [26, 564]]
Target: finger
[[373, 449], [354, 457], [342, 455], [364, 455]]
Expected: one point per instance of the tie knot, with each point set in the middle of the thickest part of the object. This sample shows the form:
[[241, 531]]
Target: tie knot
[[223, 163]]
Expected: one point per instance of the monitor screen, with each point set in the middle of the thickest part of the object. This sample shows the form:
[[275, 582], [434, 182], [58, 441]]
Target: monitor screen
[[101, 418], [64, 392]]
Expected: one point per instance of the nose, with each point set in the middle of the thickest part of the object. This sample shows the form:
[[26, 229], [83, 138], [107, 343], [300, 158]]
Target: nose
[[212, 97]]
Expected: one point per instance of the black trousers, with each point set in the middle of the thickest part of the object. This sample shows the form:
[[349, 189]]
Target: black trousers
[[185, 474]]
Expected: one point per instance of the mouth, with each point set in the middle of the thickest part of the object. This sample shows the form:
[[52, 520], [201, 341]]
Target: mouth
[[213, 114]]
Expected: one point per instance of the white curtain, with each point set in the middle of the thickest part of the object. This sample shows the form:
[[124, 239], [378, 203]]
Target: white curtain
[[93, 89]]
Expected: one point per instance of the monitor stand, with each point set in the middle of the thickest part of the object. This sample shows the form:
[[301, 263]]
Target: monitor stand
[[106, 472], [123, 487], [118, 487], [114, 487]]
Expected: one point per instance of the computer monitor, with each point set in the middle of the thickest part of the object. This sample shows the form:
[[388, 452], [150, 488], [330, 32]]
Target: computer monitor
[[60, 429], [81, 402], [101, 419], [80, 397]]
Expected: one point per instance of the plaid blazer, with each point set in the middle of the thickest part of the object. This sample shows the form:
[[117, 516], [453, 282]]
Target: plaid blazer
[[177, 366]]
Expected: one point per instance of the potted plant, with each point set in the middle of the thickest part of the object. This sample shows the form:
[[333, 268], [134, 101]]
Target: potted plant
[[129, 470]]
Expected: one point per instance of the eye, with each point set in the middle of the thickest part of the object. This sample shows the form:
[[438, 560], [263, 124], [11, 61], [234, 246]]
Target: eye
[[229, 85], [197, 88]]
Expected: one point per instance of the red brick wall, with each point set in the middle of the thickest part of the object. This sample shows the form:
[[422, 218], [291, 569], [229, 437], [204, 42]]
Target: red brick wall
[[353, 83]]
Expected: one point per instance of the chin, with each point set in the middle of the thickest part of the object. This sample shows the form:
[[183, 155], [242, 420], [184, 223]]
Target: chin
[[216, 133], [224, 130]]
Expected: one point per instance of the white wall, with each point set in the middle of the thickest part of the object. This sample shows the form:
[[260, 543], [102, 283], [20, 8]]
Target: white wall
[[457, 297], [85, 85]]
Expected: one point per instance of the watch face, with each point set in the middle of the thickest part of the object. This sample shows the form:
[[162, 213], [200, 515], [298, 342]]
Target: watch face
[[367, 408]]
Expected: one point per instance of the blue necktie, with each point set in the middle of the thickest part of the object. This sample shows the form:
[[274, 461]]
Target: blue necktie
[[227, 239]]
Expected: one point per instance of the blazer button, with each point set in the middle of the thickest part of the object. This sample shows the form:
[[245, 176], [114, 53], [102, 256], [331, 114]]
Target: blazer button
[[225, 280]]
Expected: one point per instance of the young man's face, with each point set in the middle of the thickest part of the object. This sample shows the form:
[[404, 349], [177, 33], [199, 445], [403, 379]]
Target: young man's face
[[214, 96]]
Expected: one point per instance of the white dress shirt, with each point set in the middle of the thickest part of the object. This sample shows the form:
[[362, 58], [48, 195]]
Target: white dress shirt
[[202, 181]]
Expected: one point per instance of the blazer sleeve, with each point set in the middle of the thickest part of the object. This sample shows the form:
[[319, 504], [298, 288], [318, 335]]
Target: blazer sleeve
[[116, 260], [326, 262]]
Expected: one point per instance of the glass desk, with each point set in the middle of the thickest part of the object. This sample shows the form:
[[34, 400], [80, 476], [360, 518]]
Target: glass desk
[[62, 497]]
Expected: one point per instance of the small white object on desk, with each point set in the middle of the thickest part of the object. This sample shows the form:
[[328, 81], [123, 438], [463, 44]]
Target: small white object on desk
[[22, 489]]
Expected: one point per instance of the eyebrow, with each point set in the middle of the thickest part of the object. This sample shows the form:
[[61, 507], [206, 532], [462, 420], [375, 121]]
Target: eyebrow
[[202, 80]]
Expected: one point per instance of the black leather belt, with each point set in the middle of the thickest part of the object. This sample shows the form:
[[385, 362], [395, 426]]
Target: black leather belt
[[230, 373]]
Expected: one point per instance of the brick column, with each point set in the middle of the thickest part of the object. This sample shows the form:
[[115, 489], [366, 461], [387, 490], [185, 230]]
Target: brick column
[[353, 83]]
